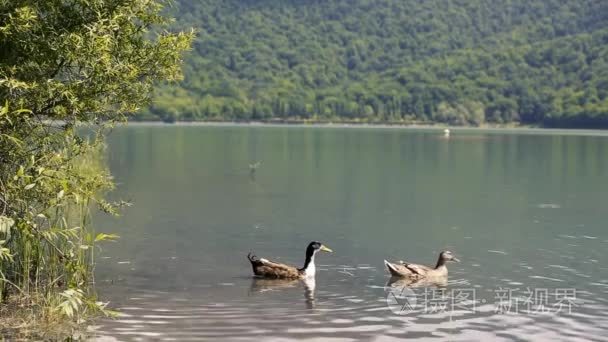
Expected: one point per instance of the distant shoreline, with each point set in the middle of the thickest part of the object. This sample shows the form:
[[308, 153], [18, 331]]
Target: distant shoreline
[[427, 127], [328, 123]]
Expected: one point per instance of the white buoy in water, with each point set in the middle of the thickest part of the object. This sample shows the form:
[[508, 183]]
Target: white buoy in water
[[446, 132]]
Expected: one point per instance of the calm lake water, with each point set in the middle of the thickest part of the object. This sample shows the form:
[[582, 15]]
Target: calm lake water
[[525, 213]]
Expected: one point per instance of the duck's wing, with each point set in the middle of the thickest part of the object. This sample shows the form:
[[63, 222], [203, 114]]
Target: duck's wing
[[398, 270], [417, 269], [269, 269]]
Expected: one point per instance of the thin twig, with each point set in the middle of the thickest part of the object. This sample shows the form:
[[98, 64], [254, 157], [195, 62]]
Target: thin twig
[[10, 282]]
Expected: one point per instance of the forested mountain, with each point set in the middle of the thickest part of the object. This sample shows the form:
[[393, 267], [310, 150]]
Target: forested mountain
[[454, 61]]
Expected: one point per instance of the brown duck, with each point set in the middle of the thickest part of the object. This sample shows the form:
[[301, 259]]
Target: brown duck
[[267, 269], [405, 269]]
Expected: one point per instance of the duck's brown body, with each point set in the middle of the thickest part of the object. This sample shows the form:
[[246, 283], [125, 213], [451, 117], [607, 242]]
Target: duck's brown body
[[268, 269], [416, 271], [401, 282]]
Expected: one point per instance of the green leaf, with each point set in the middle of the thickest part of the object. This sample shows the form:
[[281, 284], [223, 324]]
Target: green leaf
[[5, 254], [106, 237], [4, 109], [5, 224]]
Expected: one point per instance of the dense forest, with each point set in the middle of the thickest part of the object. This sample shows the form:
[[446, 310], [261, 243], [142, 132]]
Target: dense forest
[[461, 62]]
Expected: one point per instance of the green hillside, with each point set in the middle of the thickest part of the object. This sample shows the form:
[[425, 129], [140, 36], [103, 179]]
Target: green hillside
[[455, 61]]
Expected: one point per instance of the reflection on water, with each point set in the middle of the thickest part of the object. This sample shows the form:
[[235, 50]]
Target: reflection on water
[[261, 285], [525, 212], [278, 309]]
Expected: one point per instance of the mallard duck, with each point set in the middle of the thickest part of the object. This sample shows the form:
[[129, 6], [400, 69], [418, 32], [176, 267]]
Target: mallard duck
[[405, 269], [267, 269]]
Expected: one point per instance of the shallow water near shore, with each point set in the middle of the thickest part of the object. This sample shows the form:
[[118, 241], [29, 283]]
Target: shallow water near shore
[[525, 213]]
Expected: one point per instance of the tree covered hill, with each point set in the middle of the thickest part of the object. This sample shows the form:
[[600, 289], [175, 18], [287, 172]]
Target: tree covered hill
[[454, 61]]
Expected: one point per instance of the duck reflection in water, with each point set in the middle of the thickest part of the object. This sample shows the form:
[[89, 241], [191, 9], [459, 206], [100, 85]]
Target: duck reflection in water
[[261, 285]]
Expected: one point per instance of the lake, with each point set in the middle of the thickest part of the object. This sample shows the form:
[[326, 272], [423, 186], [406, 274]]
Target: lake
[[524, 211]]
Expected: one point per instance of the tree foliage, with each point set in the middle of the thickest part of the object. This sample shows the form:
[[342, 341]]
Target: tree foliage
[[64, 63], [530, 61]]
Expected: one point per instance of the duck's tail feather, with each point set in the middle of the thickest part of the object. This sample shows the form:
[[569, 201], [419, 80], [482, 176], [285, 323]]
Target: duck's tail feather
[[391, 268]]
